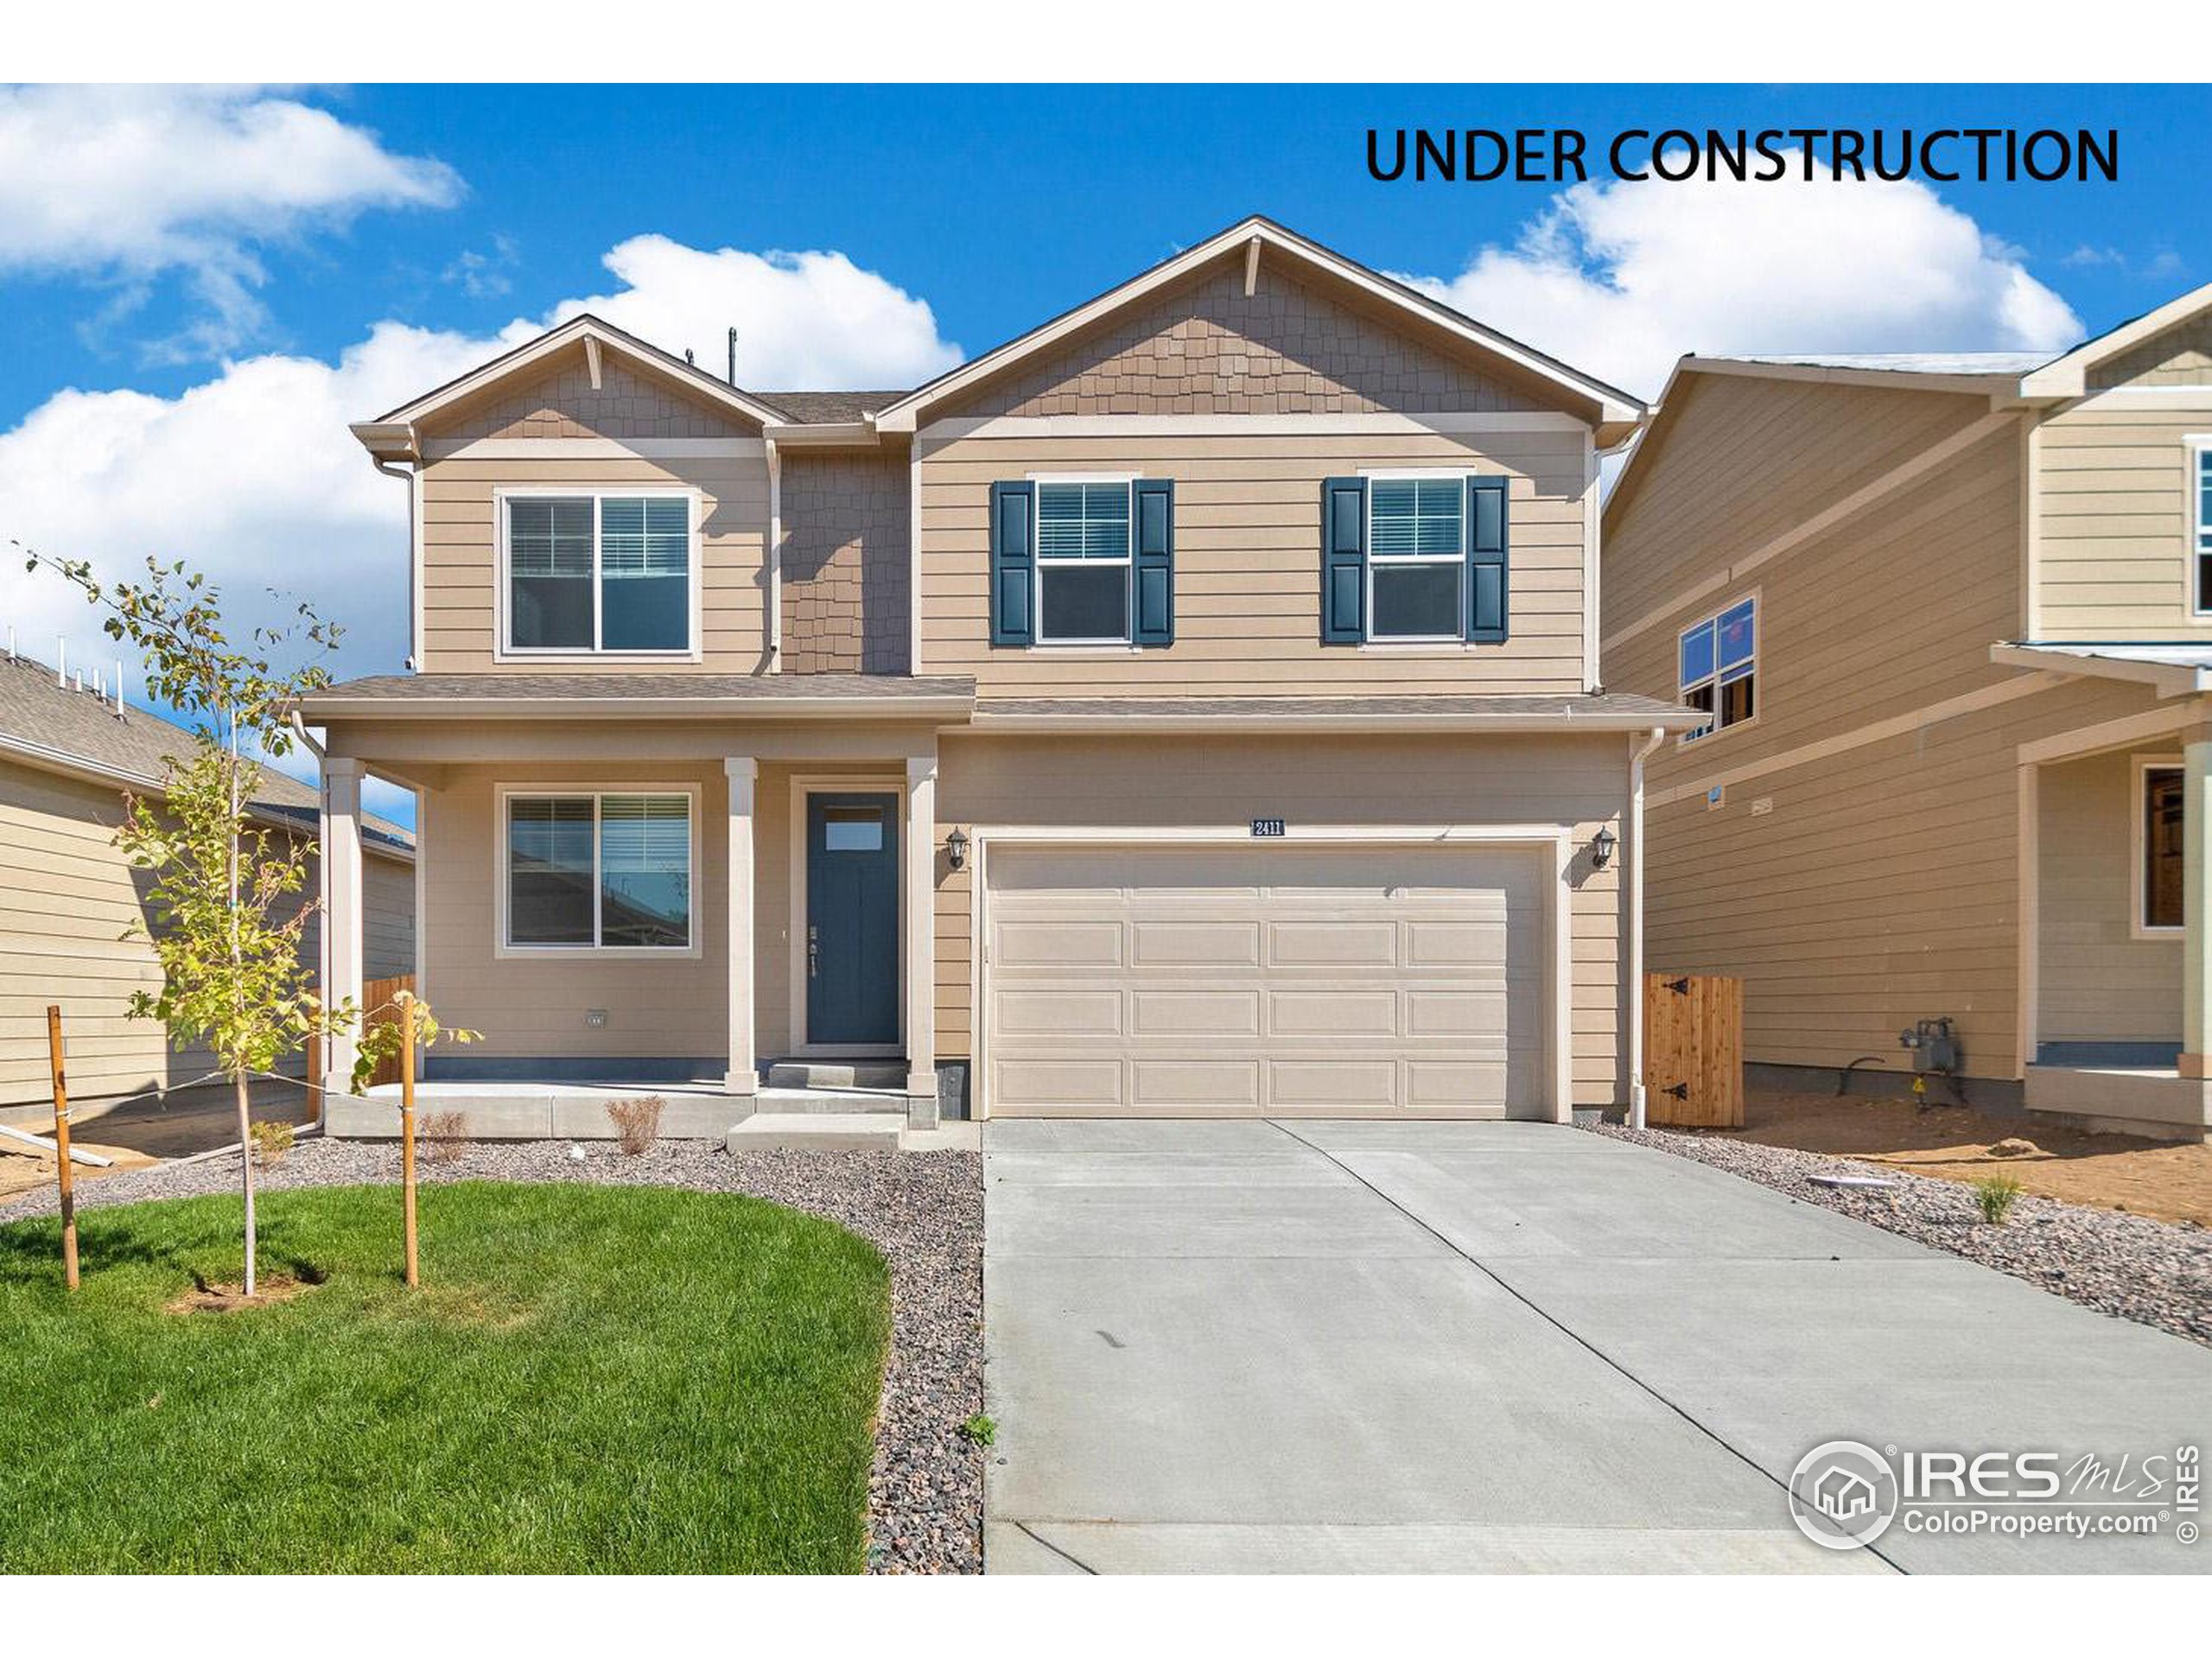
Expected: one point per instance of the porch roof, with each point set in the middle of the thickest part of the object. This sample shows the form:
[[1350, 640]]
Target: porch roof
[[683, 696], [2177, 668], [1603, 711]]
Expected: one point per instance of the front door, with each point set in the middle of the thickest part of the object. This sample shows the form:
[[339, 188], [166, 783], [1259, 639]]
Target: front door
[[852, 920]]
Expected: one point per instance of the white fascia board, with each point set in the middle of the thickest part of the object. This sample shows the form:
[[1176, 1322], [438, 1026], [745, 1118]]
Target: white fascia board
[[1136, 723], [323, 711], [2171, 679], [2001, 382]]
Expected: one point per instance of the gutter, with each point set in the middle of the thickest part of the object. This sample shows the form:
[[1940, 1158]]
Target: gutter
[[405, 472], [324, 710], [1139, 724], [1635, 873]]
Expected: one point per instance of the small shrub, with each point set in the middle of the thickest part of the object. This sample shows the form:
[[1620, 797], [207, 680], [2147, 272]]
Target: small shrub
[[442, 1134], [638, 1123], [984, 1431], [270, 1142], [1994, 1196]]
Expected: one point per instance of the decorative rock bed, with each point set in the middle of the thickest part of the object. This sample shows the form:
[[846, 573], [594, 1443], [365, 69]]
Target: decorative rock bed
[[2156, 1273], [923, 1211]]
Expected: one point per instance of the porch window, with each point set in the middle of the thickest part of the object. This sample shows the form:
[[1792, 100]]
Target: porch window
[[2159, 836], [1719, 661], [599, 872], [2200, 498], [599, 573], [1416, 557], [1083, 562]]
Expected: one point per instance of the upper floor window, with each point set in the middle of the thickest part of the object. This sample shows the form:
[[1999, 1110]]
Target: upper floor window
[[2201, 498], [599, 572], [1719, 658], [1416, 557], [1083, 562]]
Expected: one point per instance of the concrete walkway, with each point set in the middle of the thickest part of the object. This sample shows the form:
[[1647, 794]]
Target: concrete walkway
[[1466, 1347]]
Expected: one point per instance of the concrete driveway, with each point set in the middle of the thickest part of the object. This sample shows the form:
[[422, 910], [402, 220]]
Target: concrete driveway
[[1465, 1347]]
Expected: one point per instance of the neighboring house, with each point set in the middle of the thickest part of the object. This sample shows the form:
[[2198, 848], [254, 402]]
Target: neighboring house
[[1184, 709], [68, 758], [1952, 621]]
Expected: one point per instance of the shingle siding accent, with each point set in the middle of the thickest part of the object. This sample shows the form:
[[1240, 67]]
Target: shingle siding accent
[[2180, 357], [845, 563], [1207, 348], [563, 404]]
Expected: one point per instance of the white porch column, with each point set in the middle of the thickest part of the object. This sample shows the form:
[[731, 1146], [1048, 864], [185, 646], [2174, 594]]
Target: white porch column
[[743, 1076], [2197, 905], [341, 910], [921, 940]]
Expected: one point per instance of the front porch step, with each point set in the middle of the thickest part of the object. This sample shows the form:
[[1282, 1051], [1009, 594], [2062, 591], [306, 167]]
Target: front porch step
[[844, 1103], [837, 1074], [779, 1131]]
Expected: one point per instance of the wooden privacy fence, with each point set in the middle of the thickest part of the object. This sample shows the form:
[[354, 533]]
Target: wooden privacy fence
[[1693, 1051], [377, 1010]]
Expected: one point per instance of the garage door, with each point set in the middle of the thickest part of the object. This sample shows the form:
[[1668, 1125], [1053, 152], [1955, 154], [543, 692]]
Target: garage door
[[1265, 979]]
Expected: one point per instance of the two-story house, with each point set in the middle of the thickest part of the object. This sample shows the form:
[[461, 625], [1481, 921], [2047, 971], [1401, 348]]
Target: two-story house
[[1188, 708], [1949, 621]]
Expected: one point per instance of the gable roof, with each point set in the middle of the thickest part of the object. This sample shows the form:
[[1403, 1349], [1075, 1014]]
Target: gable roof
[[1608, 405], [57, 727], [2067, 376]]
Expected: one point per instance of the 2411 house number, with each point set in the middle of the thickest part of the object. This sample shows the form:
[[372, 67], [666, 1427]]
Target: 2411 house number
[[1266, 827]]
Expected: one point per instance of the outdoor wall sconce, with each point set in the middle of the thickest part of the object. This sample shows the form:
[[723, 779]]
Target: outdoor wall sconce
[[1601, 848], [956, 850]]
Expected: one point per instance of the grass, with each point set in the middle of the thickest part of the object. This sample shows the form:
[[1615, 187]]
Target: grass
[[591, 1379]]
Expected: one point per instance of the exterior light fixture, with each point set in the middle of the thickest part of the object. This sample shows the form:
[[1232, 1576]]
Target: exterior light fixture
[[956, 850], [1601, 848]]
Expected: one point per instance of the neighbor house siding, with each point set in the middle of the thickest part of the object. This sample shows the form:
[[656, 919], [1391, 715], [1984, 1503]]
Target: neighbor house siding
[[1413, 782], [1246, 585], [2115, 510], [2100, 981], [847, 562]]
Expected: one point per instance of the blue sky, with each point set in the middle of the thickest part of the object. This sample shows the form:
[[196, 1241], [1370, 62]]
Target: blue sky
[[201, 289]]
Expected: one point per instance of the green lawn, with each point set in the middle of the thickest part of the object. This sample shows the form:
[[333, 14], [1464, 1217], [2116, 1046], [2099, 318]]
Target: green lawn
[[592, 1380]]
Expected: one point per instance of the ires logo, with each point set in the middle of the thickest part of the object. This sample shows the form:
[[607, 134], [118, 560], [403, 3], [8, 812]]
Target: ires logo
[[1998, 1476]]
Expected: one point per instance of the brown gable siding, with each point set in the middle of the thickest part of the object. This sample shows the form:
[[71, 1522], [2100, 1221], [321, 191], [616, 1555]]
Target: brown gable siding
[[564, 404], [2180, 357], [845, 563], [1206, 348]]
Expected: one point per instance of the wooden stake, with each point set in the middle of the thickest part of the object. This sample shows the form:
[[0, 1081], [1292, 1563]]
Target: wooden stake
[[61, 1148], [407, 1128]]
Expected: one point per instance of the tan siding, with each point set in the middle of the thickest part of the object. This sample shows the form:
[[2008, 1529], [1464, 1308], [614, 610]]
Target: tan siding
[[2182, 356], [2099, 982], [1247, 562], [459, 526], [846, 562], [2114, 499], [999, 782], [1743, 460]]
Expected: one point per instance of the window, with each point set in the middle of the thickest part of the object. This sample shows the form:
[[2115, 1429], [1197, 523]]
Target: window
[[1416, 557], [599, 872], [1083, 562], [852, 829], [2202, 497], [1720, 668], [2159, 836], [599, 573]]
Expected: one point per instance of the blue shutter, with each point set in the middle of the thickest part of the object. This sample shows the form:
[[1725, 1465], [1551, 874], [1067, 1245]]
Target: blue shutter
[[1487, 561], [1152, 501], [1344, 561], [1014, 564]]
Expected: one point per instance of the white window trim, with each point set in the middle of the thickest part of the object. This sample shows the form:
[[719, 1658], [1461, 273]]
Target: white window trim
[[1128, 563], [504, 650], [1428, 641], [503, 949], [2195, 529], [2139, 845], [1758, 668]]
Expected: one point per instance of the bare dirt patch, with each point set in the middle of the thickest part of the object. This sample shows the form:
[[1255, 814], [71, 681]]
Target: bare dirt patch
[[1957, 1143], [22, 1170], [268, 1289]]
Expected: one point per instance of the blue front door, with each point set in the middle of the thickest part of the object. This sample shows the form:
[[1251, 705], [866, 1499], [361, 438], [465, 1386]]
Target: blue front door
[[852, 919]]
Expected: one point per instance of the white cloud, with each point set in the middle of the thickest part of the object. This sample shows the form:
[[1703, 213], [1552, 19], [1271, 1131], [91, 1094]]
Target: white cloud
[[128, 184], [1621, 278], [252, 476]]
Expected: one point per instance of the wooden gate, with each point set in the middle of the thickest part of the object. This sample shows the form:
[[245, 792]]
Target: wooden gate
[[1693, 1051]]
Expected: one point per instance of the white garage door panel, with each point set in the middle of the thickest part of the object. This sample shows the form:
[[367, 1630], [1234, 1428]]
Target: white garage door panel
[[1254, 979]]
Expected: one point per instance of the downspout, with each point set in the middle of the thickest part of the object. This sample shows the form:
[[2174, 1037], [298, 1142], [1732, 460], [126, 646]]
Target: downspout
[[775, 554], [405, 472], [1635, 873]]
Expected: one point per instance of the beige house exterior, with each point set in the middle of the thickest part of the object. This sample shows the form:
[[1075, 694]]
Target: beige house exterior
[[1037, 733], [69, 758], [1966, 779]]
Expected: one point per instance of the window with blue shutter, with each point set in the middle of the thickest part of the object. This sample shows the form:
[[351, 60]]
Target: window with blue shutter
[[1344, 561], [1083, 562], [1014, 564]]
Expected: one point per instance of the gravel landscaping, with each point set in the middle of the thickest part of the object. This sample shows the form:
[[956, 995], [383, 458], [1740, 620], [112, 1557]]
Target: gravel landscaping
[[2156, 1273], [923, 1211]]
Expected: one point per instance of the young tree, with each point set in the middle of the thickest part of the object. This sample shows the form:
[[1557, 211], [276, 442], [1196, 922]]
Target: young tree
[[223, 891]]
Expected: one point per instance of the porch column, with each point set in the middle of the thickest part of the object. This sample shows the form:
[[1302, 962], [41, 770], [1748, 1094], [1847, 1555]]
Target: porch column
[[341, 910], [921, 941], [2197, 905], [743, 1076]]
